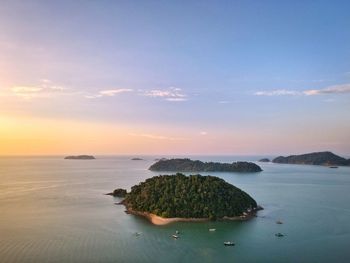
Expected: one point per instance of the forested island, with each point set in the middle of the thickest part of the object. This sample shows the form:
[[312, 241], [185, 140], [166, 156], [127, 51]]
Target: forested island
[[187, 165], [315, 158], [80, 157], [119, 192], [189, 198]]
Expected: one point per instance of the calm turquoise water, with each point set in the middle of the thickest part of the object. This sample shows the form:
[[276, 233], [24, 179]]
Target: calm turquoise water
[[55, 210]]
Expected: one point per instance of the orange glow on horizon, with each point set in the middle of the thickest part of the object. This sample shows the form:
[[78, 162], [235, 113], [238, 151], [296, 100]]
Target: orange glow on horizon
[[21, 135], [32, 136], [37, 136]]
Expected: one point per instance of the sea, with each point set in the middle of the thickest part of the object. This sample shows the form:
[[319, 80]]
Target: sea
[[56, 210]]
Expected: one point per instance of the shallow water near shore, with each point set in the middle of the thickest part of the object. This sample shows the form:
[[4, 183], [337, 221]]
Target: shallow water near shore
[[55, 210]]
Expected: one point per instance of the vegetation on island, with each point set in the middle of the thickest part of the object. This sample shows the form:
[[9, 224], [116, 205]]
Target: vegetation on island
[[316, 158], [193, 196], [119, 192], [158, 159], [187, 165], [80, 157]]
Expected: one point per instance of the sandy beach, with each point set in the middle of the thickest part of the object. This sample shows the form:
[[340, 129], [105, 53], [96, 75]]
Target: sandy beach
[[157, 220]]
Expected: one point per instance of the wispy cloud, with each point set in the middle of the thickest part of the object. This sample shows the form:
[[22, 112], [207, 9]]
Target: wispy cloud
[[44, 89], [48, 84], [279, 92], [107, 93], [170, 94], [203, 133], [25, 89], [336, 89], [157, 137]]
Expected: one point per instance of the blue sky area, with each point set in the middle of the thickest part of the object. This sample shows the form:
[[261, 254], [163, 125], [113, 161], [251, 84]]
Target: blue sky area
[[272, 73]]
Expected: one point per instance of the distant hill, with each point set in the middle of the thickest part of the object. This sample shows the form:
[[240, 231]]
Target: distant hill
[[187, 165], [192, 196], [264, 160], [80, 157], [316, 158]]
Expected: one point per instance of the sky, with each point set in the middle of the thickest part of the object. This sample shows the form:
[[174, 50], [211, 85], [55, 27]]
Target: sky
[[174, 77]]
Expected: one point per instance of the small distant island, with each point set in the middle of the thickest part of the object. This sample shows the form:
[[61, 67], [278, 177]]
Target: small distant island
[[169, 198], [80, 157], [264, 160], [315, 158], [187, 165], [119, 192], [136, 159]]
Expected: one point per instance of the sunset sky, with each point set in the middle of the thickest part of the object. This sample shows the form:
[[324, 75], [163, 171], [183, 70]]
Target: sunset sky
[[174, 77]]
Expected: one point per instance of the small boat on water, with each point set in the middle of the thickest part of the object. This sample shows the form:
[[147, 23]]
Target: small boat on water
[[229, 243], [212, 229], [333, 166], [177, 232], [279, 222], [279, 235], [175, 236]]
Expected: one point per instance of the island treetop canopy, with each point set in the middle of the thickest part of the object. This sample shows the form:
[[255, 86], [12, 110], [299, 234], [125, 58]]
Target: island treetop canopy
[[193, 196]]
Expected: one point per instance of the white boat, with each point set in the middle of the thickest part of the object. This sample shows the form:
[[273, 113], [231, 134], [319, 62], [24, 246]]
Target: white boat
[[212, 229], [229, 243], [175, 236]]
